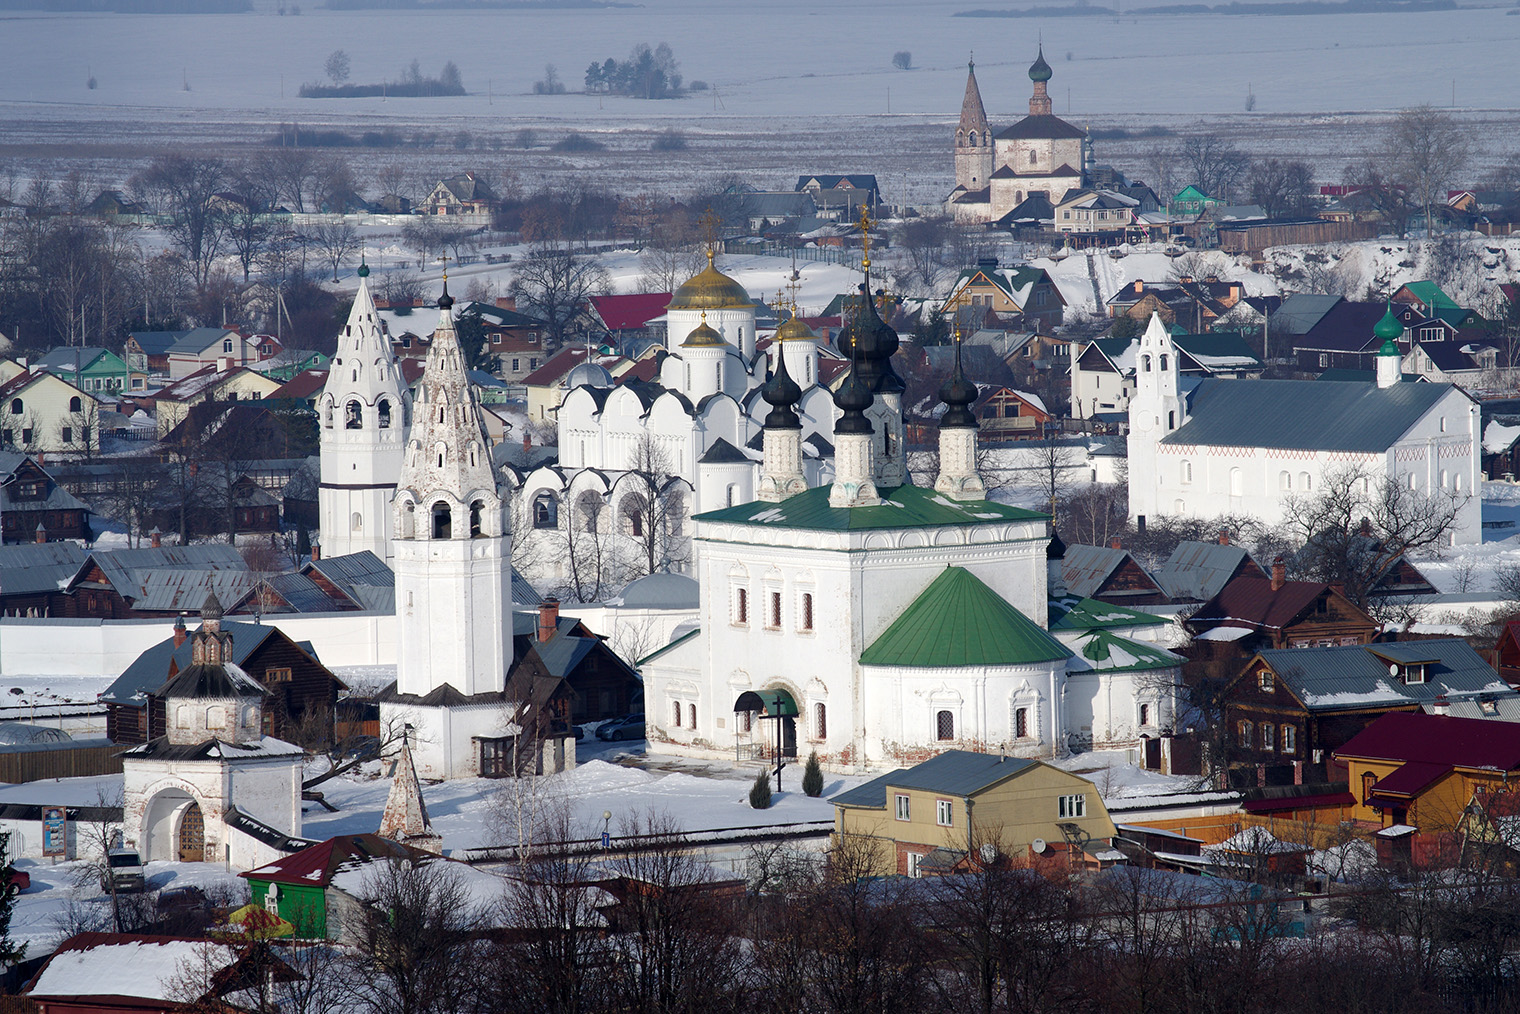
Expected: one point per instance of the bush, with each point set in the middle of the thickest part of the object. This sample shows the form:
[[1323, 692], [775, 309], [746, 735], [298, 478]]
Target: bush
[[902, 60], [669, 140], [760, 792], [812, 777], [697, 86], [576, 141]]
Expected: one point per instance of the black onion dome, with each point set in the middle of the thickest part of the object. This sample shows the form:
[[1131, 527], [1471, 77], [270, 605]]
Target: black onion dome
[[445, 301], [1055, 549], [853, 398], [1039, 70], [873, 342], [781, 393], [958, 394]]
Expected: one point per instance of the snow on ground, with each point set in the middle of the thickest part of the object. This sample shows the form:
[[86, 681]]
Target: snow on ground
[[1117, 778], [84, 791], [45, 690]]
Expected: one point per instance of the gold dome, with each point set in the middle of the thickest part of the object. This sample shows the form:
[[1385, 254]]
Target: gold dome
[[711, 289], [794, 329], [703, 336]]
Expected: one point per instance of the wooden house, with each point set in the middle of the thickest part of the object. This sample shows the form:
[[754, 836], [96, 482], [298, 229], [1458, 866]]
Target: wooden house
[[152, 581], [1253, 612], [1004, 414], [1109, 574], [33, 507]]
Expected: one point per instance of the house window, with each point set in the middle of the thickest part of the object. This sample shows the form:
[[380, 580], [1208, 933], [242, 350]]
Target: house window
[[1268, 736], [75, 405], [914, 868], [944, 726], [1264, 681], [1243, 734], [276, 675], [498, 757], [741, 606], [944, 812], [227, 345], [516, 365], [16, 408], [807, 611], [26, 435], [820, 721], [1072, 806], [675, 713], [1324, 360], [1368, 781], [1289, 734], [67, 434], [774, 619], [903, 810]]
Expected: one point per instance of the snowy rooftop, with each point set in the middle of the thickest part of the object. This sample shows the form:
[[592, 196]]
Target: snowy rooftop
[[145, 967]]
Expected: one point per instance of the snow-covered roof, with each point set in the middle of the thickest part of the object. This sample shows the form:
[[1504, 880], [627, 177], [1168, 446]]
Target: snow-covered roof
[[143, 967], [1499, 437], [1222, 634]]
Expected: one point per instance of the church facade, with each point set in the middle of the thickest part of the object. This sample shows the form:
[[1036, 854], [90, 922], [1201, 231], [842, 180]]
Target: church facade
[[1208, 447], [1040, 158]]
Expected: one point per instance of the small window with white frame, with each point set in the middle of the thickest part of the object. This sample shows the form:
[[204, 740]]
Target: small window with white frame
[[944, 812], [914, 867], [904, 809], [1073, 806]]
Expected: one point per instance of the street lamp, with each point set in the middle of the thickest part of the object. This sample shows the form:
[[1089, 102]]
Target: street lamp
[[606, 829]]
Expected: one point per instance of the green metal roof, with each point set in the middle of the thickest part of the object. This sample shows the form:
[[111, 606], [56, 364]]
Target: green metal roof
[[1107, 652], [1430, 294], [903, 507], [673, 644], [1072, 613], [959, 621]]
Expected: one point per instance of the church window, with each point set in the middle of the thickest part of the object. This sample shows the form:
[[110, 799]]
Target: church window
[[820, 721], [443, 521], [1443, 478], [26, 435], [773, 612], [741, 606], [329, 415], [1285, 480], [356, 522], [807, 369], [216, 717], [746, 721], [718, 376], [472, 455], [1187, 471], [1021, 723], [353, 415], [545, 511], [75, 405], [440, 413], [1305, 483], [1171, 419], [591, 508], [1237, 482], [182, 716], [1145, 715], [973, 139], [889, 447], [250, 717], [1031, 158], [944, 726], [807, 611], [1411, 474], [633, 516], [476, 509], [733, 494], [1164, 366], [1456, 482], [1145, 363], [675, 713], [691, 716], [409, 521], [383, 413], [356, 374]]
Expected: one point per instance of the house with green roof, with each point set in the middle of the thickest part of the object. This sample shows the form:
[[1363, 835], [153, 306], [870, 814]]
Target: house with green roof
[[1006, 291]]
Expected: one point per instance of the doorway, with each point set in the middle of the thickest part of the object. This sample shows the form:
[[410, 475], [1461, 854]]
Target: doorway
[[192, 835]]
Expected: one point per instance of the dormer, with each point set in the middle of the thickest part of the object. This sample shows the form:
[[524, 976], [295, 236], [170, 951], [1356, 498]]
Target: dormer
[[1406, 663]]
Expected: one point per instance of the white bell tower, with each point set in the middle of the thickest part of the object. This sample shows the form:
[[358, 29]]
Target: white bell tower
[[364, 412], [1154, 411]]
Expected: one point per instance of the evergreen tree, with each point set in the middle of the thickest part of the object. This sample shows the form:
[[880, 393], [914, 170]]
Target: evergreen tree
[[760, 792], [11, 952], [812, 777]]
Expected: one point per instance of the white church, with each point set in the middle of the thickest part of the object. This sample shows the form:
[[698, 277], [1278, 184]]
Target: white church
[[1207, 447], [877, 622]]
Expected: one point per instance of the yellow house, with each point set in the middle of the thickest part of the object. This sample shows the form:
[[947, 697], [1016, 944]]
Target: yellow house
[[174, 402], [1006, 291], [43, 414], [1414, 769], [961, 801]]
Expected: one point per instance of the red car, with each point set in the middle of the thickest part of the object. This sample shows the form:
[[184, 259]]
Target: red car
[[19, 880]]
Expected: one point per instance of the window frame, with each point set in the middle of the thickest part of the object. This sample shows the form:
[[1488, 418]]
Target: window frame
[[944, 812], [1072, 806], [902, 807]]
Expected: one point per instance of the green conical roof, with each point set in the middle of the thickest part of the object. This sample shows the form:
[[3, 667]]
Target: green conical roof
[[959, 621], [1388, 329]]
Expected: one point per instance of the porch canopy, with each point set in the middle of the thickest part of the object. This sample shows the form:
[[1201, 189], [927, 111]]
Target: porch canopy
[[770, 703]]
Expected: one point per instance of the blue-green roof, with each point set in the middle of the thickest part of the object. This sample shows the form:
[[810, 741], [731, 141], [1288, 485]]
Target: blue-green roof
[[1111, 653], [1073, 613], [954, 773], [959, 621], [903, 507]]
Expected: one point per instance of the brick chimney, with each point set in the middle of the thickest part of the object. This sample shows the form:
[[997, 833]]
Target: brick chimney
[[1440, 706], [41, 532], [1116, 543], [1279, 574], [506, 303], [316, 552], [156, 538], [1224, 537], [527, 442], [548, 618], [179, 630]]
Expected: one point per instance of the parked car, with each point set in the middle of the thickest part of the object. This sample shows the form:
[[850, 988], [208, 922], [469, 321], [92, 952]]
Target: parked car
[[627, 727], [124, 869], [19, 880]]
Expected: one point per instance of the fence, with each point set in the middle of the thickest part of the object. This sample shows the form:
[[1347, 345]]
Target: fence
[[59, 760]]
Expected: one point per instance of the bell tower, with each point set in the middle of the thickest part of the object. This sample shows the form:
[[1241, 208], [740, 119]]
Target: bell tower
[[973, 138], [364, 412]]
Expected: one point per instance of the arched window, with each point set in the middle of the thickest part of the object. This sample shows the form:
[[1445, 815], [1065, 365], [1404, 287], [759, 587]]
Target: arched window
[[409, 521], [820, 721], [1443, 478], [1304, 482], [1021, 723], [356, 522], [590, 504], [1285, 480], [691, 716], [1163, 362], [75, 404], [733, 494], [632, 511], [1369, 780], [944, 726], [972, 139], [1145, 364], [443, 521], [476, 509], [16, 408], [353, 415], [328, 415], [227, 345], [1031, 158], [182, 716], [675, 711], [545, 511], [1187, 471], [383, 413], [1237, 482], [216, 717]]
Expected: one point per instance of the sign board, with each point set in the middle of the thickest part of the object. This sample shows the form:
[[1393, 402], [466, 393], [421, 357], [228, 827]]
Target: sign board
[[55, 831], [606, 840]]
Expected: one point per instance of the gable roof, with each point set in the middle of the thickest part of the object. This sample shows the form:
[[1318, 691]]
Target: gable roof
[[1437, 740], [959, 621], [1250, 601], [1085, 568], [903, 507], [156, 343], [1305, 414], [150, 671], [198, 340], [954, 773], [1039, 127], [33, 568], [1200, 570], [1344, 326], [317, 865], [634, 310], [1356, 677]]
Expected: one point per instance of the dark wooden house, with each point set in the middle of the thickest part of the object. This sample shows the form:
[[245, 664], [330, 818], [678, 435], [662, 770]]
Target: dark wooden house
[[33, 507], [1109, 574], [1253, 612], [1288, 710], [302, 691], [153, 581]]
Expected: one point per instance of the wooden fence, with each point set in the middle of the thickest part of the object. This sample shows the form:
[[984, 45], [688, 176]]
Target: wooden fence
[[60, 760]]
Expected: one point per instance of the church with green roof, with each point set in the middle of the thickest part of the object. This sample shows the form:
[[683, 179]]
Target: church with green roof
[[879, 622]]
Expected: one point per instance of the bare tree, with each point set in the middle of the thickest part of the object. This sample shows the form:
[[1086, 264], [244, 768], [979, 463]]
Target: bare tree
[[1281, 186], [186, 188], [1426, 150], [1358, 524], [247, 219], [923, 243], [337, 66], [1213, 163], [336, 239], [553, 284], [651, 510]]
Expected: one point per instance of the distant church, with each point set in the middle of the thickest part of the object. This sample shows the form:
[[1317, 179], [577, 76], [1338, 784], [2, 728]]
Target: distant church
[[1034, 162]]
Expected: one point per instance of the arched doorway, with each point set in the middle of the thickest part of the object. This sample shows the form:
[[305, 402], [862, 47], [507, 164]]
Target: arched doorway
[[192, 834]]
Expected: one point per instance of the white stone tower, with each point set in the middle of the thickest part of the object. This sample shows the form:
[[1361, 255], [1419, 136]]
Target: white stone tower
[[799, 344], [973, 138], [1390, 361], [958, 476], [781, 473], [710, 297], [1155, 411], [364, 410]]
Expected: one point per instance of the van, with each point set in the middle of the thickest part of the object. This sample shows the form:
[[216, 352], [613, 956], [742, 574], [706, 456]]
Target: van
[[124, 870]]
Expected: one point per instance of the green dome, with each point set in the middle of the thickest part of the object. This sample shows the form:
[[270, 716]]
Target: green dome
[[1039, 70], [1389, 348], [1389, 327]]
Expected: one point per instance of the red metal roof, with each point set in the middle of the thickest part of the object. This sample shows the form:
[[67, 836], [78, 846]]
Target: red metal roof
[[1412, 736], [559, 364], [302, 385], [1249, 599], [315, 866], [1321, 800], [644, 369], [634, 310]]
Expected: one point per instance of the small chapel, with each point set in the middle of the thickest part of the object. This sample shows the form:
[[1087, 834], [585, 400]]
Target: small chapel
[[1021, 171]]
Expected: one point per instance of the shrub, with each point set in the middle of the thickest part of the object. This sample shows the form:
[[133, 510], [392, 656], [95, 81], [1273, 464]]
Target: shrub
[[902, 60], [576, 141], [760, 792], [669, 140], [812, 777]]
